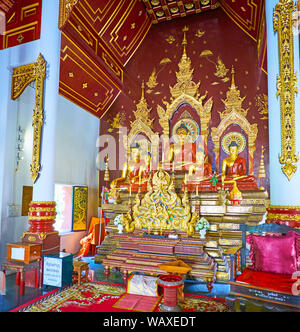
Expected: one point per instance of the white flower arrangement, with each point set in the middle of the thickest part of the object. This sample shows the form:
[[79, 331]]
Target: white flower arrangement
[[118, 220], [202, 224]]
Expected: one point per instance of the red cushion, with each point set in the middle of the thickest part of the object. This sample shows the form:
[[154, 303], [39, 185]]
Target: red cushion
[[278, 282], [274, 254]]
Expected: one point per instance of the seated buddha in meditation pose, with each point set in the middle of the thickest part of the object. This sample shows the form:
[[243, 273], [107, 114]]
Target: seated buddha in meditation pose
[[234, 170], [199, 174], [234, 173], [135, 172], [201, 169], [183, 153]]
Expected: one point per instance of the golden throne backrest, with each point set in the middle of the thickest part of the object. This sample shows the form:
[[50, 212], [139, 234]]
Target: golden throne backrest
[[141, 132], [250, 133]]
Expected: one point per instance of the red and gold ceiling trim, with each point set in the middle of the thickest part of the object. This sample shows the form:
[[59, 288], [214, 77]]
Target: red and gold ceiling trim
[[165, 10], [103, 33], [20, 22]]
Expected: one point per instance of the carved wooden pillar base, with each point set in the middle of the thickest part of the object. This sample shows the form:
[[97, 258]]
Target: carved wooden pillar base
[[284, 215], [41, 218]]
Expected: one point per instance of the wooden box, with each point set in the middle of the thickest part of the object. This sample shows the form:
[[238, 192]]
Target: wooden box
[[23, 252]]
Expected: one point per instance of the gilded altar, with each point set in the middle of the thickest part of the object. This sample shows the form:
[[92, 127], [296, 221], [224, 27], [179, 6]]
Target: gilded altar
[[190, 171]]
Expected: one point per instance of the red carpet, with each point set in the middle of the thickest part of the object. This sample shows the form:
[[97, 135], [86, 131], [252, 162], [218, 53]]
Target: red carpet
[[107, 297]]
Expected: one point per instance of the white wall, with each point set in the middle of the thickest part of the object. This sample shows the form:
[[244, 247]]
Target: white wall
[[75, 160], [75, 153]]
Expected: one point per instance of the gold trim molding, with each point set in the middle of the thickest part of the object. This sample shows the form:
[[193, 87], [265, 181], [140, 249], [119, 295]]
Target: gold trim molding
[[284, 19], [65, 9], [22, 77]]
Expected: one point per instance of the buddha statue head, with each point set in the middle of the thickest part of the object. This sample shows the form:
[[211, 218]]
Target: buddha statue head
[[233, 149], [182, 134], [135, 152]]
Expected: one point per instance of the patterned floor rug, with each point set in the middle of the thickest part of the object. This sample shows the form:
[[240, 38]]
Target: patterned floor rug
[[105, 297]]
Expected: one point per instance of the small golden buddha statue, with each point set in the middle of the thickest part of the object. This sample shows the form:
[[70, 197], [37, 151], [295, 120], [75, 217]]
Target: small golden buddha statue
[[201, 169], [234, 170], [183, 153], [135, 172]]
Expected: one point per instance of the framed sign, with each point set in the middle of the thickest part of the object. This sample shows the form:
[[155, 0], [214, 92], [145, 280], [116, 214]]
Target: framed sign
[[79, 210], [52, 272]]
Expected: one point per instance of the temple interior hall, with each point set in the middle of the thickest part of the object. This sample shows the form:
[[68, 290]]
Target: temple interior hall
[[149, 157]]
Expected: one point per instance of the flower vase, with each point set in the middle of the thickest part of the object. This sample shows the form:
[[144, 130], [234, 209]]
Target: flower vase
[[120, 228], [202, 233]]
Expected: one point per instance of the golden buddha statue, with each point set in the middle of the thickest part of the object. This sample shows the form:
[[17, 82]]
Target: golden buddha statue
[[199, 174], [135, 172], [234, 171], [234, 174], [182, 153], [201, 169]]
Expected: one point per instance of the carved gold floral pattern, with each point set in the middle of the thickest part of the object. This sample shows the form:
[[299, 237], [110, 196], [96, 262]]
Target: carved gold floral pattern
[[22, 77], [284, 20]]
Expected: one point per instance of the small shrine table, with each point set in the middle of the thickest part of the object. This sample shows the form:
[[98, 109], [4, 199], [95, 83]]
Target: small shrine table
[[21, 268], [79, 267], [170, 284]]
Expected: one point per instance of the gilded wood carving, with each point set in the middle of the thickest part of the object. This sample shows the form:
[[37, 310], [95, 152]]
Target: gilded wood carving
[[65, 9], [284, 19], [234, 114], [185, 91], [143, 125], [161, 208], [22, 77]]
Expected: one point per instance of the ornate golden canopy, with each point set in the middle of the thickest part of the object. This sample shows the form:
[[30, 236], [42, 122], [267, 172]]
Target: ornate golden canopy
[[234, 114], [142, 125]]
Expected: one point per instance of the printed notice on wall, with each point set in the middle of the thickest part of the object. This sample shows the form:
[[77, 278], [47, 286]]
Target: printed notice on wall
[[52, 272]]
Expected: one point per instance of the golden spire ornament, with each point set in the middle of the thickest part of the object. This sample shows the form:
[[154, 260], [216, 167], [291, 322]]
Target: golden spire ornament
[[261, 171], [106, 173]]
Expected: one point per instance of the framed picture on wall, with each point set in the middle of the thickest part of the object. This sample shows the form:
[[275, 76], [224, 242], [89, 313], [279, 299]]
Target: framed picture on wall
[[79, 209]]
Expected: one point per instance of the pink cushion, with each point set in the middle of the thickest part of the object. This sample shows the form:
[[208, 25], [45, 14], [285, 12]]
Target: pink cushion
[[275, 254]]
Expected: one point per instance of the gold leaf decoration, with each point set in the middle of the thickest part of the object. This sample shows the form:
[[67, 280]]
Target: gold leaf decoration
[[152, 82], [221, 69], [170, 39], [165, 61], [206, 53], [284, 19], [262, 104], [199, 33]]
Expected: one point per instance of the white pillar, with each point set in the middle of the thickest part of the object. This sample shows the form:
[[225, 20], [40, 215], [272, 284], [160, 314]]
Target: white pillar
[[43, 189]]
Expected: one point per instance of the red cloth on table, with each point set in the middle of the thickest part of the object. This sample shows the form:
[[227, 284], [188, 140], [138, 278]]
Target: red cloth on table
[[274, 281]]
